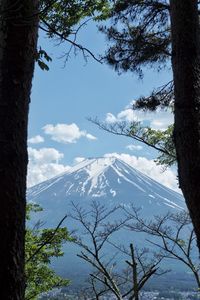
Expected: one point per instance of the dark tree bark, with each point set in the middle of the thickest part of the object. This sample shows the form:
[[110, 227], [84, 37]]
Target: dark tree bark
[[186, 70], [18, 38]]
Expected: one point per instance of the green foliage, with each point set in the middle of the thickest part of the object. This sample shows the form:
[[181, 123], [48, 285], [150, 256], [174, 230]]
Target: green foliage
[[63, 19], [139, 35], [161, 97], [42, 57], [161, 140], [64, 15], [42, 245], [164, 139]]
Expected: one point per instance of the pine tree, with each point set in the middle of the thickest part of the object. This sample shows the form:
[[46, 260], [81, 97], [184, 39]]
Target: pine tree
[[18, 37], [19, 23], [155, 33]]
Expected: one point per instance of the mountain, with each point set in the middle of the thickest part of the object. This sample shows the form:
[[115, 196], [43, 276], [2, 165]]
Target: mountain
[[109, 181]]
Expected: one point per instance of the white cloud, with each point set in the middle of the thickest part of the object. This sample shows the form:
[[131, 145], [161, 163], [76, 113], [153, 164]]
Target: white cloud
[[149, 167], [39, 173], [110, 118], [44, 164], [157, 120], [127, 115], [134, 147], [66, 133], [44, 155], [90, 136], [36, 139], [161, 120], [78, 159]]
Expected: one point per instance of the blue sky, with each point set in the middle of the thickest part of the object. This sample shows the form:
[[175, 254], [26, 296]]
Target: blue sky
[[62, 99]]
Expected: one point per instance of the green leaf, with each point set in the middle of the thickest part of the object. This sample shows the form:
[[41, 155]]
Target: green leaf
[[39, 275]]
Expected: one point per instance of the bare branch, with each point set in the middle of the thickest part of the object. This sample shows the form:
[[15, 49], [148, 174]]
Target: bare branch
[[123, 129], [171, 230], [64, 38], [47, 241], [99, 230]]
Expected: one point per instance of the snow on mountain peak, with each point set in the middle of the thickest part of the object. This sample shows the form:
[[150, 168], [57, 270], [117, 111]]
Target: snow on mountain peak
[[107, 178]]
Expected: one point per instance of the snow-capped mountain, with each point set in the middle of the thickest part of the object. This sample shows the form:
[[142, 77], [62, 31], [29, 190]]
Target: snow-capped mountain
[[110, 181]]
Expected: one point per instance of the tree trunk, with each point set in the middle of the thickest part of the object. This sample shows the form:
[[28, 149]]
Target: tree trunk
[[18, 38], [186, 70]]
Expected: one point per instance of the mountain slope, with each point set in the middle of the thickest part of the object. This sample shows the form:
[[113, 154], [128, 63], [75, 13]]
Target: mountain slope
[[109, 180]]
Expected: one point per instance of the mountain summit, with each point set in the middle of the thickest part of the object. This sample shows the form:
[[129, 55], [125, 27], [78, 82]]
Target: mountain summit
[[109, 180]]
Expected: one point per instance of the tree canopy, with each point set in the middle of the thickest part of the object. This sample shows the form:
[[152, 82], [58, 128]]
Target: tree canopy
[[165, 34], [42, 244]]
